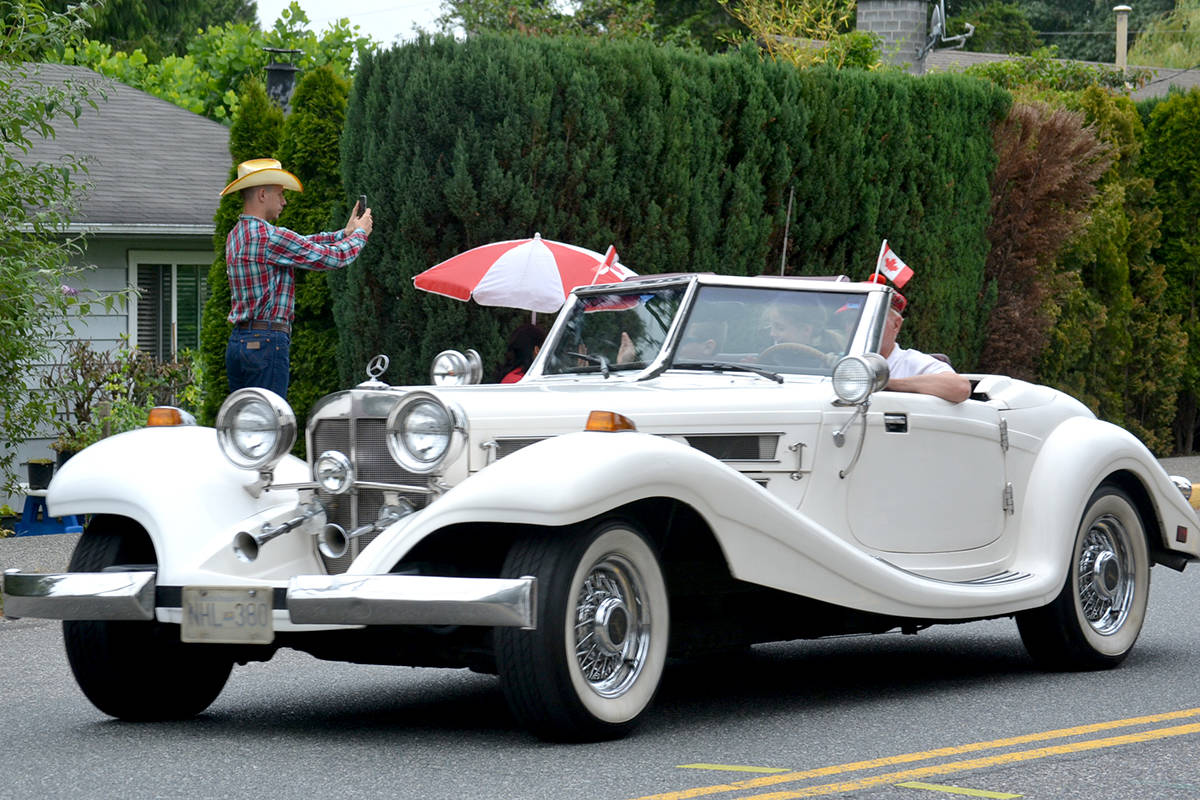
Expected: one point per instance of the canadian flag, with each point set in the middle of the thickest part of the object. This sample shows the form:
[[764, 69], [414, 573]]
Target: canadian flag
[[892, 267]]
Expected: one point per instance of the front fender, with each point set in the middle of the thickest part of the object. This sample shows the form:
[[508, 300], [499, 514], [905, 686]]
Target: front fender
[[1078, 456], [176, 483], [560, 481]]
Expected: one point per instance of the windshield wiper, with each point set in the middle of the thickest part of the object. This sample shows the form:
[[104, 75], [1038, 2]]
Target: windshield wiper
[[729, 365], [601, 360]]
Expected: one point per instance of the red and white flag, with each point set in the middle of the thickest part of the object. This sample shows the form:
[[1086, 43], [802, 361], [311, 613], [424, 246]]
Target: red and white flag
[[890, 265]]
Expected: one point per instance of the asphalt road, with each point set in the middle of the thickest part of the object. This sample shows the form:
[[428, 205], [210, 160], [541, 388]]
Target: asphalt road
[[783, 721], [953, 710]]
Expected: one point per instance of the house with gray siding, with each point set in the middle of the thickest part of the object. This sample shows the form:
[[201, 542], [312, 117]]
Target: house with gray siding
[[154, 174]]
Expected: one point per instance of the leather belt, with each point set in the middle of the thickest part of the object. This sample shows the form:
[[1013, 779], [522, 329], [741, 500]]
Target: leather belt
[[264, 325]]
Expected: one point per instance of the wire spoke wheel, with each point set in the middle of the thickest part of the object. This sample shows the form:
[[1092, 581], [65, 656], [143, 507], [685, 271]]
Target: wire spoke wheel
[[1096, 618], [1106, 586], [612, 626], [593, 666]]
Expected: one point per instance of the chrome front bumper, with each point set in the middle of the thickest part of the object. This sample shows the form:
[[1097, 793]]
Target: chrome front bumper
[[310, 599]]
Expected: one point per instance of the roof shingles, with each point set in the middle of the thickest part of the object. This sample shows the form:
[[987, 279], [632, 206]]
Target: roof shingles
[[150, 163]]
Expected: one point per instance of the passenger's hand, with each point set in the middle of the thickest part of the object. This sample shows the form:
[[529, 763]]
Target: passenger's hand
[[626, 352]]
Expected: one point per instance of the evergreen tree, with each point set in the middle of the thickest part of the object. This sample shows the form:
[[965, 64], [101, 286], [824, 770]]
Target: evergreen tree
[[1173, 162], [309, 148], [254, 134], [1115, 345], [684, 162]]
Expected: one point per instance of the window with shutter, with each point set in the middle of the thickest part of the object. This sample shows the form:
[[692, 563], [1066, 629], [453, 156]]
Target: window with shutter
[[172, 290]]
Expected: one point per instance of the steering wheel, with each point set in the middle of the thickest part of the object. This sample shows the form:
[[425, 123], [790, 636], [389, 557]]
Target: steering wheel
[[792, 354]]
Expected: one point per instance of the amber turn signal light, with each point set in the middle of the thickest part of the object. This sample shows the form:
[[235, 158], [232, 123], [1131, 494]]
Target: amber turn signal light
[[609, 422], [165, 416]]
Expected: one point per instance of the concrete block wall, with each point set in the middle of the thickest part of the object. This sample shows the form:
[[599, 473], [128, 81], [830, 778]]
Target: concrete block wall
[[902, 25]]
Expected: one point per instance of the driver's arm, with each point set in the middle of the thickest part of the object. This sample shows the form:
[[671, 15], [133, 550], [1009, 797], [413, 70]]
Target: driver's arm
[[946, 385]]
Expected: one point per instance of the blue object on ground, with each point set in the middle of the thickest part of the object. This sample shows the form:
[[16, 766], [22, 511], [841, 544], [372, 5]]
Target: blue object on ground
[[36, 519]]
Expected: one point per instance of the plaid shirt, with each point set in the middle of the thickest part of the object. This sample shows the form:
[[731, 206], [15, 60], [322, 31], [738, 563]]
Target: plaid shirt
[[261, 261]]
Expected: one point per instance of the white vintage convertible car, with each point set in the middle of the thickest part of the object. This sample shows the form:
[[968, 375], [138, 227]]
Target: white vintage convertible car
[[666, 480]]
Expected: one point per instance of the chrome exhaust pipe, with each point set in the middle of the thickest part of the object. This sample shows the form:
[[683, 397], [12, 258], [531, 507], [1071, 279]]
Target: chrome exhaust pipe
[[334, 541], [246, 545]]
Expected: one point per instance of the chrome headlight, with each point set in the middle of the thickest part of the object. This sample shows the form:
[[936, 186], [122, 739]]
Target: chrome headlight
[[452, 368], [255, 428], [856, 377], [334, 472], [422, 432]]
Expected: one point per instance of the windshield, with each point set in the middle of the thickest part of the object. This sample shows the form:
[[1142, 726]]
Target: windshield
[[610, 332], [803, 332]]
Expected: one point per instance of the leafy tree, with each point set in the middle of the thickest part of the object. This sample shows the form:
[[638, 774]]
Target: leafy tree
[[206, 79], [39, 287], [159, 29], [805, 32], [701, 24], [1171, 41], [1040, 72], [620, 19], [1077, 29], [1000, 27]]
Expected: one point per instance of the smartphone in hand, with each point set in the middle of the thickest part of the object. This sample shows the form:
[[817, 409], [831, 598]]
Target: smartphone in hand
[[361, 208]]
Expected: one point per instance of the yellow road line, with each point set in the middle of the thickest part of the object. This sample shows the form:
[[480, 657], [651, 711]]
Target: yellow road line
[[908, 758], [980, 763], [934, 787], [733, 768]]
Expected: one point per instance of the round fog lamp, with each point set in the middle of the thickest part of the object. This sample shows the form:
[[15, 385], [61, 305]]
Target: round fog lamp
[[334, 472]]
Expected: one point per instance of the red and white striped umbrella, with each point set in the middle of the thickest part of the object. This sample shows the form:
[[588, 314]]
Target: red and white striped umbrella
[[534, 274]]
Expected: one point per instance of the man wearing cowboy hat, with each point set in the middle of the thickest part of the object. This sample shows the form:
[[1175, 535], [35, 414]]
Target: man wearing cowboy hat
[[261, 260]]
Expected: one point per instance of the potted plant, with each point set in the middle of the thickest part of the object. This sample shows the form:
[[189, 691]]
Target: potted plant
[[40, 471]]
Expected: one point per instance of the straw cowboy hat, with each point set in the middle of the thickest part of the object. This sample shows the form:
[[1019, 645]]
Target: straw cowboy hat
[[262, 172]]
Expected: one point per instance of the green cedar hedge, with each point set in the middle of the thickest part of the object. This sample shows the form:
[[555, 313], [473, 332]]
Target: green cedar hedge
[[682, 161]]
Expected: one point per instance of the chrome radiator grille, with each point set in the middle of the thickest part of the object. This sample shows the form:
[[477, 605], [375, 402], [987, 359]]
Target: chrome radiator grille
[[363, 440]]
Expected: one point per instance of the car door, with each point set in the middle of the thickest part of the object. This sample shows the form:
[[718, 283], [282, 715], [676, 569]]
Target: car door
[[930, 477]]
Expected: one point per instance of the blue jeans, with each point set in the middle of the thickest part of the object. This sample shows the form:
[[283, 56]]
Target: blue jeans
[[258, 358]]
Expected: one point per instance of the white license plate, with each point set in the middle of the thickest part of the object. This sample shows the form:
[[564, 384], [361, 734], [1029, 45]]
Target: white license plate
[[223, 615]]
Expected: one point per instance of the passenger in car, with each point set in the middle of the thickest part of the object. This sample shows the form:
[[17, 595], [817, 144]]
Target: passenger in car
[[702, 340], [914, 371], [802, 323]]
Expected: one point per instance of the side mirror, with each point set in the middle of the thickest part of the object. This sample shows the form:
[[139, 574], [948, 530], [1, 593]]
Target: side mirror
[[856, 378]]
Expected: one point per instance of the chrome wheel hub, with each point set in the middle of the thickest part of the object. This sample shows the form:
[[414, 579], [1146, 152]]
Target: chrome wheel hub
[[612, 626], [1105, 584]]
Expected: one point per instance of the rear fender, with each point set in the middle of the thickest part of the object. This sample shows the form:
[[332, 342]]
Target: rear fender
[[176, 483], [1077, 457]]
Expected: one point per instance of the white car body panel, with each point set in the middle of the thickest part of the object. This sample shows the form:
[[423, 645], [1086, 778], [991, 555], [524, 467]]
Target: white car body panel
[[927, 510]]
